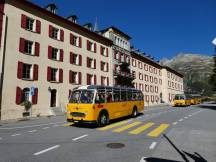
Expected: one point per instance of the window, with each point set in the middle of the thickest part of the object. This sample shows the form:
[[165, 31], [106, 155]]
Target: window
[[140, 76], [75, 41], [27, 71], [29, 24], [116, 95], [146, 67], [151, 89], [155, 80], [156, 89], [55, 54], [146, 78], [146, 88], [75, 59], [155, 70], [91, 63], [54, 74], [140, 65], [55, 33], [28, 47], [26, 95], [103, 51], [150, 69], [168, 74], [151, 79], [160, 81], [104, 66], [74, 77], [134, 74], [91, 79], [116, 55], [104, 80]]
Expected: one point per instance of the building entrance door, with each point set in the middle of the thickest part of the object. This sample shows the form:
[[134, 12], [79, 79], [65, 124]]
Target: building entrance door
[[53, 98]]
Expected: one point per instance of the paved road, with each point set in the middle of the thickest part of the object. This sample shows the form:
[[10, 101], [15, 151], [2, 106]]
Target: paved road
[[188, 130]]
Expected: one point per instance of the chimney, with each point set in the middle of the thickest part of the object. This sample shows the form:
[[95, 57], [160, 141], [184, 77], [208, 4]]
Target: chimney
[[73, 18], [88, 26], [52, 8]]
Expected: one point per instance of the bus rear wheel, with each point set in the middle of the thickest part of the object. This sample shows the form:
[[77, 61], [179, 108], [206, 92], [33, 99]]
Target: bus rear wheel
[[134, 112], [103, 119]]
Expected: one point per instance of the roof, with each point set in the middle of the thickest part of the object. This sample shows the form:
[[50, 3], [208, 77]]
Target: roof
[[173, 71], [31, 5], [116, 30], [146, 59]]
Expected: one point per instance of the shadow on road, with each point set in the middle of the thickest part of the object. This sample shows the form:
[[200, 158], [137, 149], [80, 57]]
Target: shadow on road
[[196, 157]]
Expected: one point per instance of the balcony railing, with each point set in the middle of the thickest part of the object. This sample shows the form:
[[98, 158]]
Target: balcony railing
[[123, 74]]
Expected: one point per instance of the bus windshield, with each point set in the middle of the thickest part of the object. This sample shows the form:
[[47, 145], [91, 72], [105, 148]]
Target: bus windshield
[[82, 96]]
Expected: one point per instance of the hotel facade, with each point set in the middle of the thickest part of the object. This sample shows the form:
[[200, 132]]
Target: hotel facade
[[49, 55]]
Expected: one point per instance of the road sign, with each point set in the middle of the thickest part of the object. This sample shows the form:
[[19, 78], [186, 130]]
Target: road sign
[[32, 91]]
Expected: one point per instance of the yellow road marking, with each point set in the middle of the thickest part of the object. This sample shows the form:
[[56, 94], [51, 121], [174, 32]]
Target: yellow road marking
[[67, 124], [141, 128], [127, 127], [113, 125], [156, 132]]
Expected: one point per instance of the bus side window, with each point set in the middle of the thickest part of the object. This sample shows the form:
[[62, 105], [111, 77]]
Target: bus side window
[[140, 96], [123, 96], [109, 95], [130, 96], [116, 96], [100, 97]]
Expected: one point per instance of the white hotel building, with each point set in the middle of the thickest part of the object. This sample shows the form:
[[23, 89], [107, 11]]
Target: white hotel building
[[40, 49]]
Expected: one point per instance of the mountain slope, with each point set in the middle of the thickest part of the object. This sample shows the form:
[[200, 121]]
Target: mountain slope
[[196, 69]]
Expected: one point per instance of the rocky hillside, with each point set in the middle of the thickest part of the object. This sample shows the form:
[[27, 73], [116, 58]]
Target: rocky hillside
[[196, 70]]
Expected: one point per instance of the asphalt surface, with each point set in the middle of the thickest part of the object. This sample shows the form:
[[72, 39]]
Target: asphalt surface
[[190, 135]]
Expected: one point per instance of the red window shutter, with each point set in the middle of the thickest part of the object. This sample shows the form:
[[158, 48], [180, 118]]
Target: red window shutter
[[119, 56], [101, 80], [101, 63], [61, 35], [80, 60], [107, 67], [107, 81], [37, 49], [80, 78], [49, 52], [38, 26], [61, 55], [95, 47], [88, 45], [23, 21], [48, 73], [50, 31], [18, 95], [95, 80], [22, 45], [71, 57], [115, 53], [70, 76], [87, 62], [35, 97], [19, 70], [35, 74], [87, 79], [107, 52], [71, 38], [80, 42], [94, 63], [60, 75]]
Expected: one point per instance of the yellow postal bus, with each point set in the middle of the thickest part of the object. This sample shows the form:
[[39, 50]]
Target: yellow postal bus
[[99, 104], [181, 100]]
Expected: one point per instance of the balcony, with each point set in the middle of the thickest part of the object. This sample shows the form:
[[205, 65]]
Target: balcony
[[123, 74]]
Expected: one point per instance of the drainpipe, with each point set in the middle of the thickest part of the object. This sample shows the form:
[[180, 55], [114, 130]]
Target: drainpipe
[[3, 60]]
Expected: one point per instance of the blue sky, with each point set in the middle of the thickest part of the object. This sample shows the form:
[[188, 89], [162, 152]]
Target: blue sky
[[162, 28]]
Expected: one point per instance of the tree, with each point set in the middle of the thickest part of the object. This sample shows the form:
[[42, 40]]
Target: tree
[[124, 77], [213, 76]]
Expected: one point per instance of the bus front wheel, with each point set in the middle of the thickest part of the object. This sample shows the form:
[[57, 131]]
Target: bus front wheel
[[134, 112], [103, 119]]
